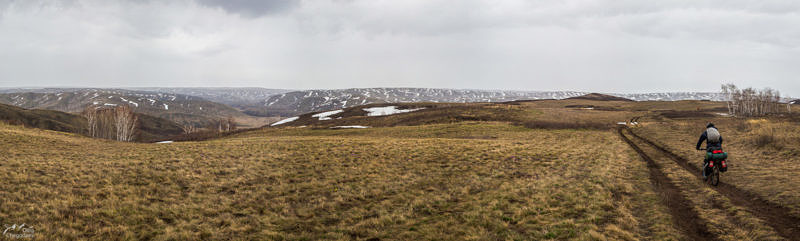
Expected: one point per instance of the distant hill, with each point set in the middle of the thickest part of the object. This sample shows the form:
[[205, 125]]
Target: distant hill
[[150, 128], [274, 102], [236, 97], [43, 119], [181, 109], [378, 115], [601, 97], [298, 102]]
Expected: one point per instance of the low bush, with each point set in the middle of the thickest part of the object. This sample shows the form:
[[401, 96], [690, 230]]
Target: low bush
[[765, 140]]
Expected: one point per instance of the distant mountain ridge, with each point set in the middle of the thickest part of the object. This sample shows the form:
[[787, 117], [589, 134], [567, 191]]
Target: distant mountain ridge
[[182, 109], [319, 100], [277, 102], [233, 96], [600, 97]]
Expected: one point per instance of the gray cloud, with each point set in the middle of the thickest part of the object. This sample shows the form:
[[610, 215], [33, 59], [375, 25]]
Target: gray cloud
[[592, 45], [252, 8]]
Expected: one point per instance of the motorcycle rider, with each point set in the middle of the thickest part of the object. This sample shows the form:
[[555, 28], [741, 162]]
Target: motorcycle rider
[[713, 142]]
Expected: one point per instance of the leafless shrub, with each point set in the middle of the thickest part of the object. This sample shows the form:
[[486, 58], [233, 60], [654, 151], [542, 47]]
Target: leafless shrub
[[226, 124], [764, 134], [187, 129], [15, 122], [765, 140]]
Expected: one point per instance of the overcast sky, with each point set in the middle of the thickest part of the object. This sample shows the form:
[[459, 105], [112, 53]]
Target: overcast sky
[[604, 46]]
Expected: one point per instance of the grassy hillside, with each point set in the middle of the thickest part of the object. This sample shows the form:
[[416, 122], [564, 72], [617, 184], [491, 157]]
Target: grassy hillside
[[150, 128], [763, 152], [181, 109], [547, 114], [463, 171], [43, 119], [289, 185]]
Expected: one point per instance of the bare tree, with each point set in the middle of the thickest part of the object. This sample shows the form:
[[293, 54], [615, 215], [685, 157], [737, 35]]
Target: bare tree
[[226, 124], [106, 123], [751, 102], [728, 91], [91, 119], [124, 123], [117, 123], [189, 129]]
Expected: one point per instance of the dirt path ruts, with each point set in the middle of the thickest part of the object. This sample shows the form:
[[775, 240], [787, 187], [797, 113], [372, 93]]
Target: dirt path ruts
[[683, 215], [776, 216]]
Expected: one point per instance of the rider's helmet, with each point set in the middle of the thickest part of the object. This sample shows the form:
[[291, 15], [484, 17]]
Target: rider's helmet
[[710, 125]]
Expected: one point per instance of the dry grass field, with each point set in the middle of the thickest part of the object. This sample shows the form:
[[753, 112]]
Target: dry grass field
[[763, 152], [549, 170], [439, 182]]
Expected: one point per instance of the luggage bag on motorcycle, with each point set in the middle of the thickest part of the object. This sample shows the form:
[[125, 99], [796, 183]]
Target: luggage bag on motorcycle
[[716, 155], [721, 157]]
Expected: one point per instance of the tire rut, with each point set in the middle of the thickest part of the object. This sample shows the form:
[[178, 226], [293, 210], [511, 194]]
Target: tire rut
[[776, 216], [685, 218]]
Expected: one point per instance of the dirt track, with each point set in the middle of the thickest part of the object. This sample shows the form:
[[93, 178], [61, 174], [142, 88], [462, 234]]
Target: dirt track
[[684, 216], [776, 216]]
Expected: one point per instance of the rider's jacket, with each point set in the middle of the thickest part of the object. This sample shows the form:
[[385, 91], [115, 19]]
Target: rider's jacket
[[709, 146]]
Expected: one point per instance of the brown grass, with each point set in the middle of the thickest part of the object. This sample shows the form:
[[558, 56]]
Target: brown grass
[[685, 114], [761, 153], [536, 124], [518, 113], [450, 172], [719, 216], [295, 184]]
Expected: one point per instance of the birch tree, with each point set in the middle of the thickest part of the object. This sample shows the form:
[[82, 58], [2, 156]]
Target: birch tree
[[751, 102], [124, 123], [91, 119]]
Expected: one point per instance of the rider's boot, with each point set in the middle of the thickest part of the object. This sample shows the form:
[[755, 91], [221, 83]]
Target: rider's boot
[[705, 164]]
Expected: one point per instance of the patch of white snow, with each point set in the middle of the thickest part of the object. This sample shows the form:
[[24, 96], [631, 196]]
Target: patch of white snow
[[325, 115], [284, 121], [387, 110]]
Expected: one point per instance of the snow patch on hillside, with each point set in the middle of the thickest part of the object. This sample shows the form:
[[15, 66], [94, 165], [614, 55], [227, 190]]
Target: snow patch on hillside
[[284, 121], [325, 115], [387, 110]]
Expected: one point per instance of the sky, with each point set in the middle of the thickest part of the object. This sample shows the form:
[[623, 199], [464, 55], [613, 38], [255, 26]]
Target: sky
[[615, 46]]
